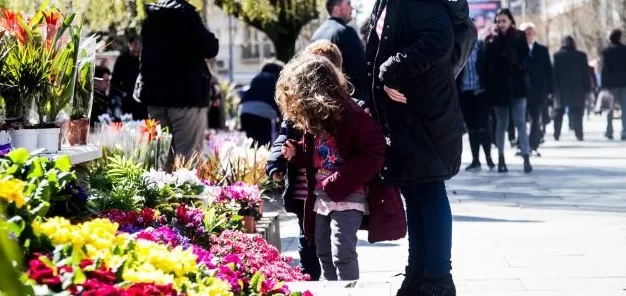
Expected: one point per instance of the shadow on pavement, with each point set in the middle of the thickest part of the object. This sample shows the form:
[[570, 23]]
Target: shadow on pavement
[[460, 218], [553, 187]]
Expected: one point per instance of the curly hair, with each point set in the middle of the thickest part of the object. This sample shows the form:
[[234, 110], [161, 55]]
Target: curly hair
[[312, 94], [326, 49]]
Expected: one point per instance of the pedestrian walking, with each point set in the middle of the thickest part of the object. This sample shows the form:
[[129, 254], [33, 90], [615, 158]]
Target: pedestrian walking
[[540, 84], [337, 30], [506, 84], [614, 79], [572, 86], [174, 72], [414, 52], [475, 108]]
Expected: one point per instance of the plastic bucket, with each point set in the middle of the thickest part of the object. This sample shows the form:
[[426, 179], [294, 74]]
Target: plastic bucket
[[48, 138], [24, 138]]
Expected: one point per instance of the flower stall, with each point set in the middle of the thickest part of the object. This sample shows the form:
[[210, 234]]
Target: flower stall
[[135, 231], [104, 218]]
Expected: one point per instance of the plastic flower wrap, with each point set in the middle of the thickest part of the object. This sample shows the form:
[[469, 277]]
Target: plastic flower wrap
[[142, 141]]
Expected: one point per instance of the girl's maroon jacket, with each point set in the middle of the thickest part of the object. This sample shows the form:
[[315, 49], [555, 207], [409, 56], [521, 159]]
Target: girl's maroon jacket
[[362, 144]]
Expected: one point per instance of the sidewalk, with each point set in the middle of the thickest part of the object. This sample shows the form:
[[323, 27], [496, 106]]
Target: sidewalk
[[559, 231]]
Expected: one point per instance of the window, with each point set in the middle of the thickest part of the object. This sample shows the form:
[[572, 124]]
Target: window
[[256, 45]]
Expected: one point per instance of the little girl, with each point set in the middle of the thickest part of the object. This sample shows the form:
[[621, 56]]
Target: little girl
[[342, 149]]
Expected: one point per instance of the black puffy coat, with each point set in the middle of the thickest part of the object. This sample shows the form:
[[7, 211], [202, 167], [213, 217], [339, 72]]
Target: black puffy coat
[[175, 44], [424, 45], [504, 70]]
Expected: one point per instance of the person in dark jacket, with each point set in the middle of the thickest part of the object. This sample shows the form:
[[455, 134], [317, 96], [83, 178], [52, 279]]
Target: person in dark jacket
[[124, 77], [258, 110], [102, 102], [540, 84], [337, 30], [614, 78], [572, 85], [174, 72], [414, 52], [475, 108], [505, 81]]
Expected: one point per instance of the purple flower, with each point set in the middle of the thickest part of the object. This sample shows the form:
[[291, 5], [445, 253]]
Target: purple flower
[[4, 149]]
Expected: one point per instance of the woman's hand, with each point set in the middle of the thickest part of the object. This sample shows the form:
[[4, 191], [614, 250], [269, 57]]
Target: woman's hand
[[395, 95]]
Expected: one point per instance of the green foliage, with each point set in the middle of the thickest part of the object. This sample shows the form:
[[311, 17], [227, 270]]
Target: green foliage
[[281, 21], [10, 258], [46, 182]]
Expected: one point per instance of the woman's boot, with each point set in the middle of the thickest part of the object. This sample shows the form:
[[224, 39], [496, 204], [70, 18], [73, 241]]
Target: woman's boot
[[527, 167], [411, 283], [501, 165], [437, 287]]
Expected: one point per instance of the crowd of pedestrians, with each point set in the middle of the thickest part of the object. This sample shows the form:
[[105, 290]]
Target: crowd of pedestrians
[[355, 124]]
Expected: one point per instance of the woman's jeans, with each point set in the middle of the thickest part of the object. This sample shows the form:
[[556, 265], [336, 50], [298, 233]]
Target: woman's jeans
[[429, 221], [518, 108]]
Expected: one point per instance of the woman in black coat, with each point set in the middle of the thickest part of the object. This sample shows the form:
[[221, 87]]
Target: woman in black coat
[[505, 82]]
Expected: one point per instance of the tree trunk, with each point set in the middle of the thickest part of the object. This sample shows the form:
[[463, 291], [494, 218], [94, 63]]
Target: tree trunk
[[285, 46]]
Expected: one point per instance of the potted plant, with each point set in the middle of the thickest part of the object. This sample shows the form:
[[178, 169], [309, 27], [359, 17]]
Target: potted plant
[[63, 43], [26, 71], [83, 93]]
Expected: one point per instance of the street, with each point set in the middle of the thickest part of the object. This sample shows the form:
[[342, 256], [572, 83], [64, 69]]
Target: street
[[558, 231]]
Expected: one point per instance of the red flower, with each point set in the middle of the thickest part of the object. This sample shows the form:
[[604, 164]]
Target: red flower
[[307, 293], [43, 274], [9, 20], [146, 289], [93, 287], [52, 26], [149, 127]]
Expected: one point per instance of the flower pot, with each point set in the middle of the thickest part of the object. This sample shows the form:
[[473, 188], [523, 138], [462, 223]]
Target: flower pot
[[249, 224], [261, 205], [5, 142], [24, 138], [5, 138], [78, 132], [48, 138]]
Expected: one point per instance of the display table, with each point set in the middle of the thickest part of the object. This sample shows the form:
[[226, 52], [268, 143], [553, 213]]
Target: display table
[[77, 154], [80, 156]]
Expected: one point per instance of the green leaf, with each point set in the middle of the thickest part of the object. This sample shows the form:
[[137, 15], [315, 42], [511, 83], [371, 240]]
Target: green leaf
[[37, 168], [79, 276], [63, 163], [16, 225], [41, 210], [18, 156]]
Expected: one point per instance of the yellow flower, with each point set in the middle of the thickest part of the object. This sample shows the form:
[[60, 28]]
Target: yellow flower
[[216, 287], [12, 190], [146, 273]]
